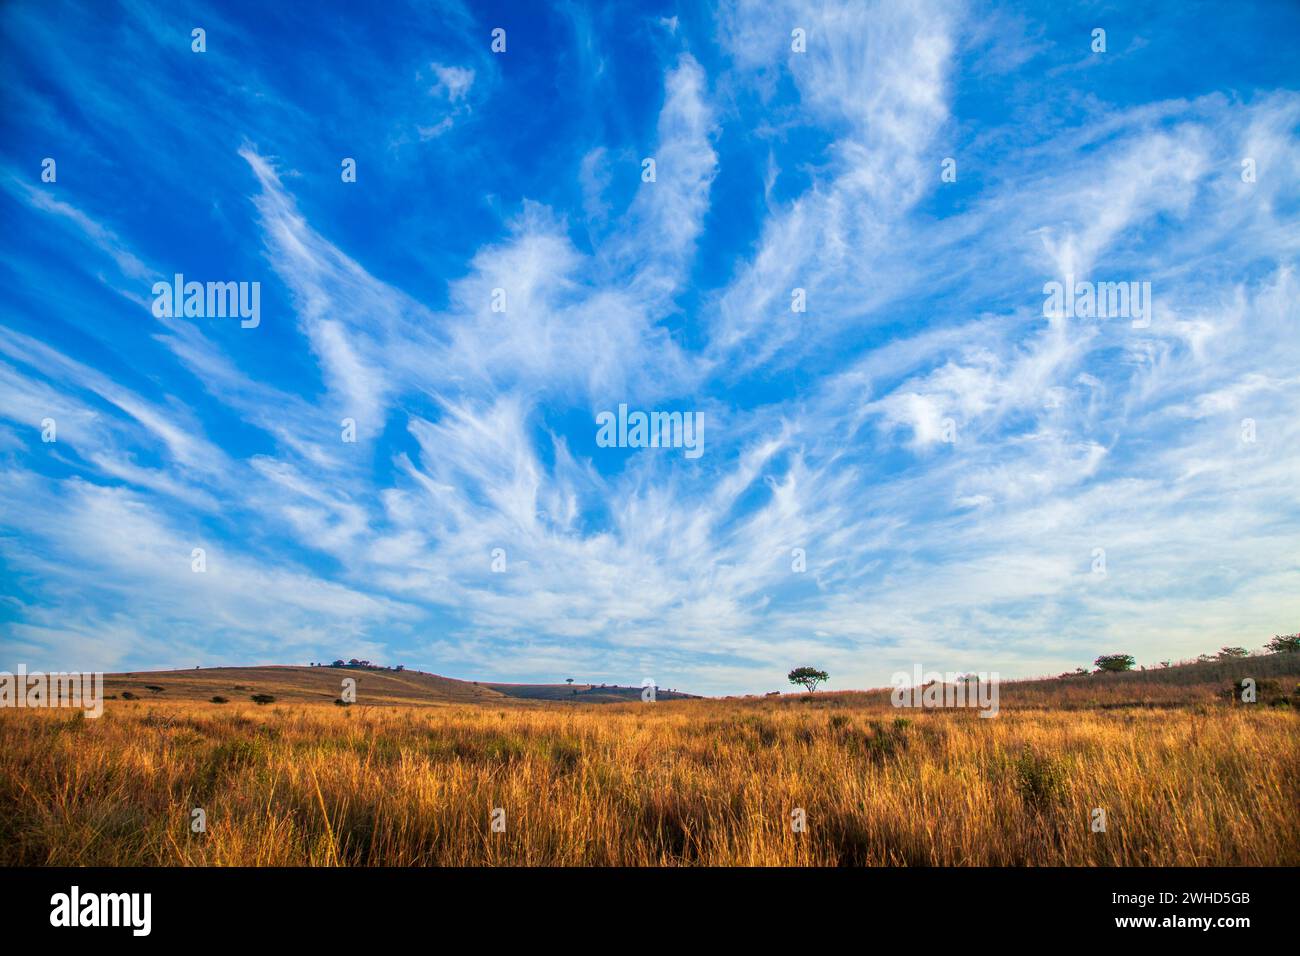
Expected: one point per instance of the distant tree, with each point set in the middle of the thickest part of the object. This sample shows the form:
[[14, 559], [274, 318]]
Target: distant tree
[[568, 680], [262, 699], [219, 700], [1229, 653], [1284, 644], [338, 663], [808, 677], [400, 667], [1115, 662]]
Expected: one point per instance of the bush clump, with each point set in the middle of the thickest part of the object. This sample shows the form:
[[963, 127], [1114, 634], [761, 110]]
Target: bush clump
[[1040, 779]]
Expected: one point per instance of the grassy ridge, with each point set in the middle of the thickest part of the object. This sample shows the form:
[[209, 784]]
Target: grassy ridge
[[1173, 686], [1185, 685], [375, 687], [296, 685]]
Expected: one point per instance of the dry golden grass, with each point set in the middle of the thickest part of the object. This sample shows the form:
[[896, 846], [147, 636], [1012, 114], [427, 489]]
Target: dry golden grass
[[689, 782]]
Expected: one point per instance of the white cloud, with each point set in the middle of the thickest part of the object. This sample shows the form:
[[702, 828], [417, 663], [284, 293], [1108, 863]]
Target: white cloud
[[453, 82]]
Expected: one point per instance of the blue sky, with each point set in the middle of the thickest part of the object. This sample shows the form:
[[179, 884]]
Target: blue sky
[[958, 467]]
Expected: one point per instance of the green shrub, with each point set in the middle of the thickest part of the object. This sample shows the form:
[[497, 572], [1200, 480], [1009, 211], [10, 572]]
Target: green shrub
[[1285, 644], [1115, 663], [1040, 779]]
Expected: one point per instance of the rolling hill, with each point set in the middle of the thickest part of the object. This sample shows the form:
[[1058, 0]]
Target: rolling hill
[[375, 686], [583, 693], [1176, 686]]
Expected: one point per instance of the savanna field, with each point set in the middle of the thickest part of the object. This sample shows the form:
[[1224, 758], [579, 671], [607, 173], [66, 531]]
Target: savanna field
[[1186, 775]]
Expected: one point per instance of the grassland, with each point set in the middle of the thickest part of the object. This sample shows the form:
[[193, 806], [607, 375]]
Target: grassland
[[1185, 775]]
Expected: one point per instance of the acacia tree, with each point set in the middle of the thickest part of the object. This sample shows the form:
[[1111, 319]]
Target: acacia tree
[[808, 677], [1284, 644], [1115, 662]]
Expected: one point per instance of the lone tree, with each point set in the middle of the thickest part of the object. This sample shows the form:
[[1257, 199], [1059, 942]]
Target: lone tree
[[1284, 644], [1228, 653], [1115, 662], [808, 677]]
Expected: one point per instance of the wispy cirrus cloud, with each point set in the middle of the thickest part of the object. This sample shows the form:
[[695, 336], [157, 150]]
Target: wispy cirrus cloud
[[923, 465]]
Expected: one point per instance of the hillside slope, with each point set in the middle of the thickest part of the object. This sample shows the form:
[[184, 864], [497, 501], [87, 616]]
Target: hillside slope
[[1176, 686], [1190, 684], [583, 693], [297, 684], [375, 687]]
